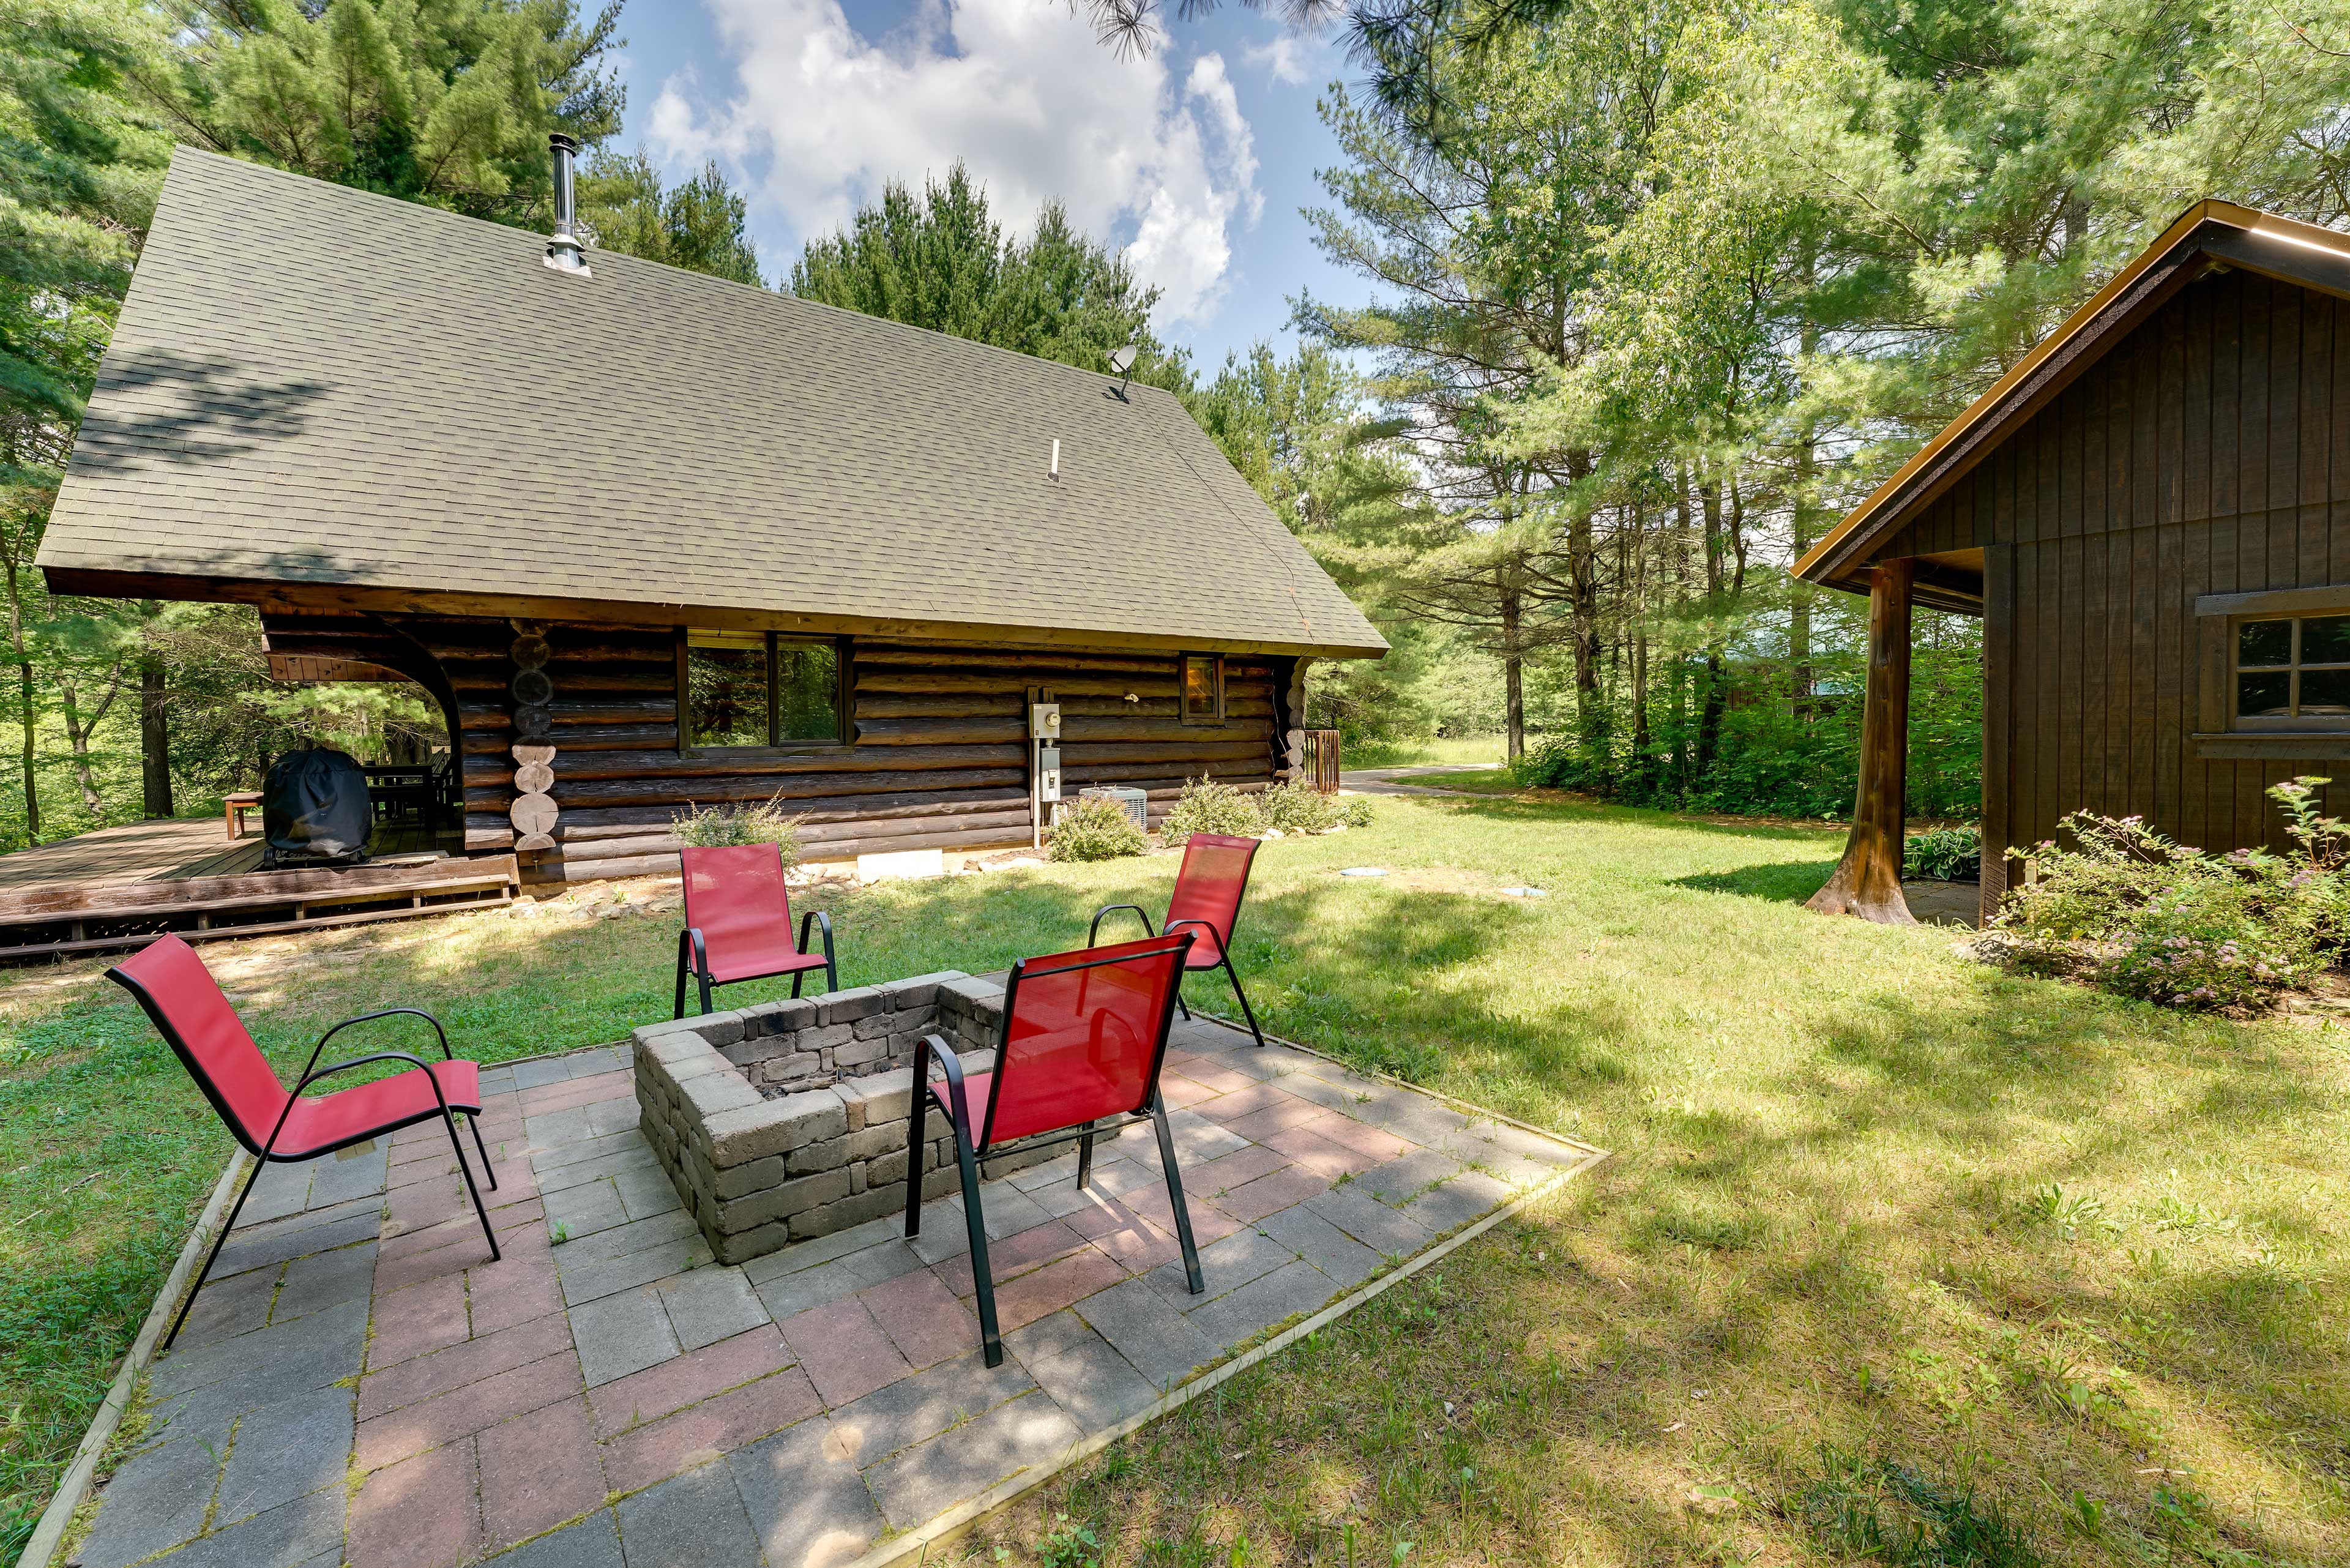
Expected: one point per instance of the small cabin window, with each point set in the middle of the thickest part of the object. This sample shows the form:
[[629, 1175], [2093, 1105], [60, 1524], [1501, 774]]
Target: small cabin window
[[2293, 672], [1203, 689], [756, 688]]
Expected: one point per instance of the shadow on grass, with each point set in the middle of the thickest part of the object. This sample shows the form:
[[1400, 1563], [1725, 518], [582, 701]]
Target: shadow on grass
[[1515, 809], [1785, 882], [1852, 1219]]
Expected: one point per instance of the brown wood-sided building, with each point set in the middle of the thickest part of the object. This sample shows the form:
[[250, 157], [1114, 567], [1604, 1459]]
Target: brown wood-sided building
[[654, 540], [2151, 514]]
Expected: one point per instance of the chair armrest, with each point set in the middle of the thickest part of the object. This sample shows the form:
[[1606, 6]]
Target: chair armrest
[[1093, 930], [822, 923], [1219, 936], [951, 1065], [312, 1076], [701, 950], [389, 1013]]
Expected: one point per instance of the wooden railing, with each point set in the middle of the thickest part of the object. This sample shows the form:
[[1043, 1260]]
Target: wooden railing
[[1322, 760]]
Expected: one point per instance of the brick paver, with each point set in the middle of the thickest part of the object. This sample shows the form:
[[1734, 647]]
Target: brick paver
[[538, 1470], [619, 1397]]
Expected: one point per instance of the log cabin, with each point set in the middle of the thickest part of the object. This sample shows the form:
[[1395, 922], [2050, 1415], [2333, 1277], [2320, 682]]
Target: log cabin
[[2150, 513], [652, 540]]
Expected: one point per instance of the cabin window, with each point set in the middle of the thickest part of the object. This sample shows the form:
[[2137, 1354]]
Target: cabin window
[[756, 689], [1204, 688], [2293, 672]]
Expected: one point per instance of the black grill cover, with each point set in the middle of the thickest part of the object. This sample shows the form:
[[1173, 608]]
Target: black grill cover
[[314, 809]]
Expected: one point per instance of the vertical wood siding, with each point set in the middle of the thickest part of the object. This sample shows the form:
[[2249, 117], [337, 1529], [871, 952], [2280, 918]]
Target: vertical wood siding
[[2209, 453]]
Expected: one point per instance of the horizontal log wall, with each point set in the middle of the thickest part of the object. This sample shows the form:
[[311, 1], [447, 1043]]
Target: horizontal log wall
[[941, 756]]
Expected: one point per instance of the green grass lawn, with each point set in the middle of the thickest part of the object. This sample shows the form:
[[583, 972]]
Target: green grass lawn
[[1476, 780], [1898, 1258], [1466, 751]]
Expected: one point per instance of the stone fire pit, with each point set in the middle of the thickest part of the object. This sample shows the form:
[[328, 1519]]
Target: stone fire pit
[[789, 1120]]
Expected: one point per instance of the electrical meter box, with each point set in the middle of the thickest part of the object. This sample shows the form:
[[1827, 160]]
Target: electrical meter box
[[1045, 720], [1048, 771]]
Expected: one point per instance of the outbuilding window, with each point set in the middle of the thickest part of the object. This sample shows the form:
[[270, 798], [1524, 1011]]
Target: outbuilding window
[[742, 690], [1204, 688], [2293, 672]]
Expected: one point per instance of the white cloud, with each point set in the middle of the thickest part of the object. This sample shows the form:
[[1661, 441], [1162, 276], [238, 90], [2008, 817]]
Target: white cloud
[[819, 116], [1286, 58]]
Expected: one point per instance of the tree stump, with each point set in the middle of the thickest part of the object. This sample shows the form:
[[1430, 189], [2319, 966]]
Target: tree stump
[[1868, 881]]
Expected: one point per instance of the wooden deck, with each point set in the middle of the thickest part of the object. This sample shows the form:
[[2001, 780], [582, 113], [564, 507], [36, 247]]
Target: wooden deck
[[174, 848], [119, 887]]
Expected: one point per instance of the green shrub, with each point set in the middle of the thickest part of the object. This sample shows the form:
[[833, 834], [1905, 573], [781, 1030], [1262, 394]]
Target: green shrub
[[1095, 829], [2178, 926], [1951, 854], [1298, 807], [1207, 806], [1355, 811], [716, 826]]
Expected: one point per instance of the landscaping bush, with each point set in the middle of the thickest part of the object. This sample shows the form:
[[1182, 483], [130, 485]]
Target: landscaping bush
[[1207, 806], [716, 826], [2173, 924], [1298, 807], [1951, 854], [1355, 811], [1094, 829]]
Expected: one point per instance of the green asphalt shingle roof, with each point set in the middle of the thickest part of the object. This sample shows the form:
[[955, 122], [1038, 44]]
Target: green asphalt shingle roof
[[311, 385]]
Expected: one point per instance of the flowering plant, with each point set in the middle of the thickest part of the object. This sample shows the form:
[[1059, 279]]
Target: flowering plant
[[2174, 924]]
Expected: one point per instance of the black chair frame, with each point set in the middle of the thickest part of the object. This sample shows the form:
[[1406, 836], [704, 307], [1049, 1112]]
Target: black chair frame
[[1224, 948], [693, 959], [969, 1155], [267, 1154]]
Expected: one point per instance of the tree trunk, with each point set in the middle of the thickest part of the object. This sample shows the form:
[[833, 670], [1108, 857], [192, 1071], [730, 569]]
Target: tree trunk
[[26, 718], [154, 738], [1514, 685], [1804, 530], [1708, 718], [1640, 736], [78, 732], [1867, 880]]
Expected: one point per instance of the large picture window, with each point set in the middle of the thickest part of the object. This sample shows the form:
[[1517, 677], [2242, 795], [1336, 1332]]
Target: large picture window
[[2293, 672], [756, 689]]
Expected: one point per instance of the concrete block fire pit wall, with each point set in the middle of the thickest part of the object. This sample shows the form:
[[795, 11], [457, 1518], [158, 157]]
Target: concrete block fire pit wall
[[789, 1120]]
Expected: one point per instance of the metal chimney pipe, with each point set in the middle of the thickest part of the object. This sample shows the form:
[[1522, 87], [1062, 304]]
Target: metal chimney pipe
[[564, 251]]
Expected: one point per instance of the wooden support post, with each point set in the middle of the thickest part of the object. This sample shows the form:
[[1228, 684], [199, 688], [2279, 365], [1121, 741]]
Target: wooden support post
[[1867, 880]]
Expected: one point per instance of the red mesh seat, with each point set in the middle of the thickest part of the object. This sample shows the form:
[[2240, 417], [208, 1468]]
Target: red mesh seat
[[1084, 1037], [738, 922], [1206, 902], [276, 1125]]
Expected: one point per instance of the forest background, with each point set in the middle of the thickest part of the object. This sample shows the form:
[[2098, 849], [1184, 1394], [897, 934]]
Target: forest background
[[1652, 291]]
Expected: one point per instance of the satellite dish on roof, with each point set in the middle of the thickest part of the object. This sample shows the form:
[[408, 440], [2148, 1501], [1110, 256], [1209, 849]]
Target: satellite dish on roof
[[1121, 361]]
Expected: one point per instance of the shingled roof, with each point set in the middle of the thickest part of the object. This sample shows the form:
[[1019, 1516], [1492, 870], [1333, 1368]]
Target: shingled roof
[[319, 395]]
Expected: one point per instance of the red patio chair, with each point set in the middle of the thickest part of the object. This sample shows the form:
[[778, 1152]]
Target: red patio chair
[[1208, 888], [1084, 1036], [187, 1008], [738, 922]]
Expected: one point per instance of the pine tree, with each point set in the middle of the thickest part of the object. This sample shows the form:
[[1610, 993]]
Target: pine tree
[[939, 259]]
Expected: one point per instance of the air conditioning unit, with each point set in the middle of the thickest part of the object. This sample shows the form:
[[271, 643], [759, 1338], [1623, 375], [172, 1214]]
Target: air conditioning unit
[[1136, 804]]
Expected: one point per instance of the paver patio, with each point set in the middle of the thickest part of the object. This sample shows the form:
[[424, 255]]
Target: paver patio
[[359, 1383]]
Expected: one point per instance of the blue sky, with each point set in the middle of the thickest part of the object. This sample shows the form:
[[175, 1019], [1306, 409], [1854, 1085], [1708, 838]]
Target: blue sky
[[1196, 158]]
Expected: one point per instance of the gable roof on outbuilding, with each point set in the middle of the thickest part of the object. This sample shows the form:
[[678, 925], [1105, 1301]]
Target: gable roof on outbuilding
[[2209, 234], [315, 390]]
